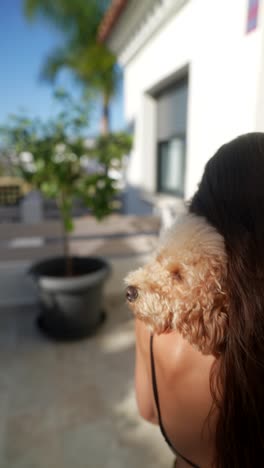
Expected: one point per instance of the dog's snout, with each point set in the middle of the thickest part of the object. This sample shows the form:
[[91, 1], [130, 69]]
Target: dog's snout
[[131, 293]]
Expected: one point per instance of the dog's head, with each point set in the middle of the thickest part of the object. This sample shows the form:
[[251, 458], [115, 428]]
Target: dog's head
[[184, 286]]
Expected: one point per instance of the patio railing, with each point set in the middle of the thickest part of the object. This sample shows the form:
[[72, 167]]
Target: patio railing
[[124, 240]]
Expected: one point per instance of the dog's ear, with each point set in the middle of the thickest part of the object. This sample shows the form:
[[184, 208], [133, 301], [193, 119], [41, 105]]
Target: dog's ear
[[205, 324], [213, 326]]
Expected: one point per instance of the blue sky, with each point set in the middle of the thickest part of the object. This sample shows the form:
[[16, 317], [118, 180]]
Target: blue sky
[[23, 48]]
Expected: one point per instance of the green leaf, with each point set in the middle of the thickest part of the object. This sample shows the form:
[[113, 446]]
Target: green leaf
[[68, 224], [48, 154]]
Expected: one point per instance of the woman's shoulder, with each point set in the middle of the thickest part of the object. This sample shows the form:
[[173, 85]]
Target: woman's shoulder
[[173, 354], [183, 384], [183, 375], [177, 356]]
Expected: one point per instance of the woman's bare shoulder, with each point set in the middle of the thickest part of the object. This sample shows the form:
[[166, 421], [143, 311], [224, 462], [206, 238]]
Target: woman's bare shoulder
[[175, 354], [183, 380], [183, 375]]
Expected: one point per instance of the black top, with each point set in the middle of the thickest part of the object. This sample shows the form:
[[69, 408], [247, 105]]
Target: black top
[[156, 397]]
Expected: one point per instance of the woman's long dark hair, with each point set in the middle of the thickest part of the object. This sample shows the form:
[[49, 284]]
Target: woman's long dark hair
[[231, 197]]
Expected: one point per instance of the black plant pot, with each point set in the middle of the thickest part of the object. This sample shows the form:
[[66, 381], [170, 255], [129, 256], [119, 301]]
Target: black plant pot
[[71, 307]]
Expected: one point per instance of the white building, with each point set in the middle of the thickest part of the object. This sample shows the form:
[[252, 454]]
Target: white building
[[194, 79]]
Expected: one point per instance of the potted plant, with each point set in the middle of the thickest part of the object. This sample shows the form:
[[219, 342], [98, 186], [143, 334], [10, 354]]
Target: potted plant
[[55, 158]]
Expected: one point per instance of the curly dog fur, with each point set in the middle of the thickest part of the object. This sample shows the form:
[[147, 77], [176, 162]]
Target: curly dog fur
[[183, 286]]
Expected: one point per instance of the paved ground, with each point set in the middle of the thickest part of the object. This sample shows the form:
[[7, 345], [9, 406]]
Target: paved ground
[[72, 405]]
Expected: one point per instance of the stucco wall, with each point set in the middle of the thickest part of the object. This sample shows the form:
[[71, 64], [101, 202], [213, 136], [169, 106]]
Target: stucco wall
[[224, 69]]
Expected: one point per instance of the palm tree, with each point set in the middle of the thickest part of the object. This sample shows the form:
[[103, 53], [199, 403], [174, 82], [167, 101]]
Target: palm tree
[[92, 63]]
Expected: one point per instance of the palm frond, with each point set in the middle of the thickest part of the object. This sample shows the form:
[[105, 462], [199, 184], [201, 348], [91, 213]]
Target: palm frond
[[56, 61], [91, 63]]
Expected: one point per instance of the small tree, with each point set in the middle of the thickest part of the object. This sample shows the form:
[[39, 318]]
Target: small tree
[[56, 158]]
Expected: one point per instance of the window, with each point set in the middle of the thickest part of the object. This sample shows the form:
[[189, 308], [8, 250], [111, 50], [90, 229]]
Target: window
[[171, 137], [171, 166]]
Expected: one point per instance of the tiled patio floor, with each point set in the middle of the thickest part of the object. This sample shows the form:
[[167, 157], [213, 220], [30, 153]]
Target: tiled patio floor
[[72, 405]]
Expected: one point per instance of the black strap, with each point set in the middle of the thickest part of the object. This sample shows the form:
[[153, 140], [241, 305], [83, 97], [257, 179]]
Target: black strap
[[156, 397]]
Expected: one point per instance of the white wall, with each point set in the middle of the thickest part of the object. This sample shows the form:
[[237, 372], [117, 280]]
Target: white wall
[[224, 69]]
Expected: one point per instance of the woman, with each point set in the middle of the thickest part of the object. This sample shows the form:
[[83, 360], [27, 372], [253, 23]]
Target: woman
[[211, 408]]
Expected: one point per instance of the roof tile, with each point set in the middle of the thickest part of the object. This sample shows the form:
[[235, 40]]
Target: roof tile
[[110, 19]]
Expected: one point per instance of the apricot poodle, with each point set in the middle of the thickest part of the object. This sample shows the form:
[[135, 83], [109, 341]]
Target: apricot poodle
[[183, 287]]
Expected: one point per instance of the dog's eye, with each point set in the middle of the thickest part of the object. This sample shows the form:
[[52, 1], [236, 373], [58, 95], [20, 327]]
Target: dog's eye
[[176, 274]]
